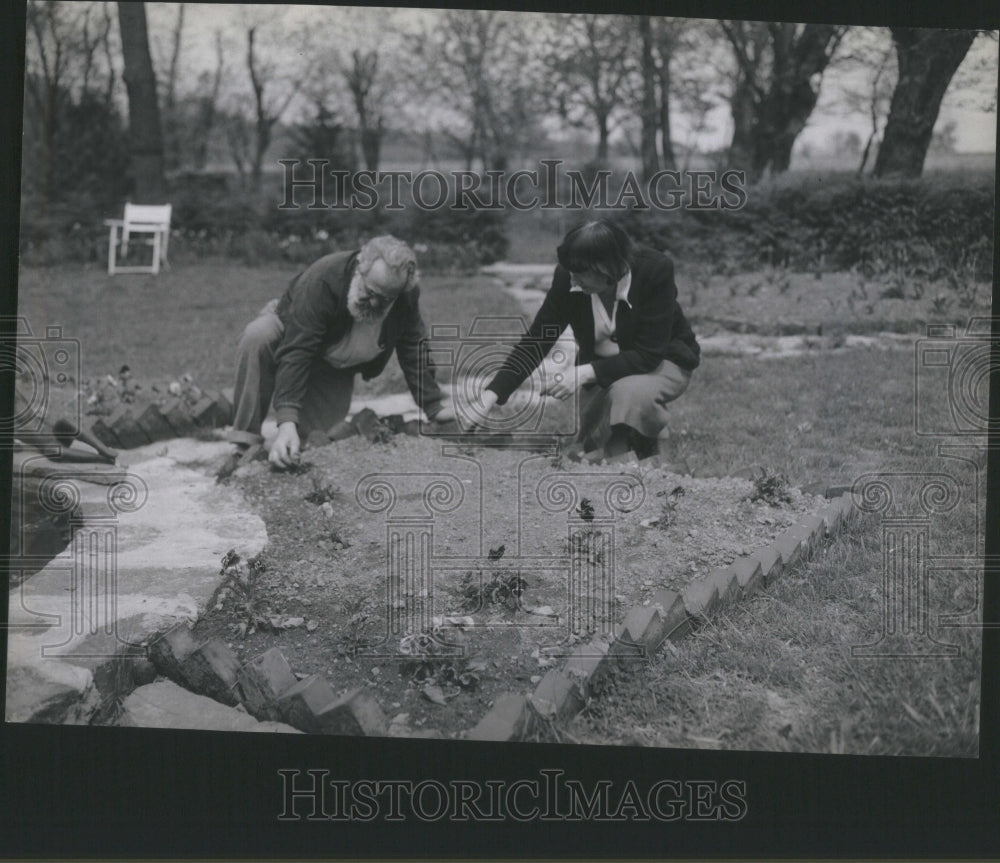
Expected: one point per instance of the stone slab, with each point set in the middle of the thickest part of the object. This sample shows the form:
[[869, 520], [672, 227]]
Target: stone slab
[[262, 681], [587, 662], [508, 719], [154, 424], [301, 704], [645, 627], [676, 621], [557, 696], [164, 704], [749, 575], [701, 598], [356, 713], [211, 670], [167, 548]]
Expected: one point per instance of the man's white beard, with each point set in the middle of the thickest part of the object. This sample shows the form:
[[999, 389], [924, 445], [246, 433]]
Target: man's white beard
[[357, 305]]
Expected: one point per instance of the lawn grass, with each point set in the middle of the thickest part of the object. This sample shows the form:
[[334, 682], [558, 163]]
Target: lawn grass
[[188, 320], [776, 673]]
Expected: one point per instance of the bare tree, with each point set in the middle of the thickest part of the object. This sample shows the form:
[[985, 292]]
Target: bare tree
[[779, 68], [175, 56], [47, 50], [173, 131], [207, 104], [276, 76], [145, 132], [109, 90], [927, 60], [589, 60], [479, 66], [361, 76], [372, 69]]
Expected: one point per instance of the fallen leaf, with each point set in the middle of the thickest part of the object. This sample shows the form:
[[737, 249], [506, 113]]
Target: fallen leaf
[[434, 693]]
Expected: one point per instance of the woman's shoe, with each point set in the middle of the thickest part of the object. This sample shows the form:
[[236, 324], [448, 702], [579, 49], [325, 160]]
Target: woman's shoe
[[644, 447]]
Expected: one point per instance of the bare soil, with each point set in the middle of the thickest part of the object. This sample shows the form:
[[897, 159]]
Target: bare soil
[[490, 625]]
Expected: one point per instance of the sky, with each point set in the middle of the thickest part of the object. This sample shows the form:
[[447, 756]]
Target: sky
[[972, 110]]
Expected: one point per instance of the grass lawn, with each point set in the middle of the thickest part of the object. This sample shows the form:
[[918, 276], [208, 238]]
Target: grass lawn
[[774, 673], [188, 320]]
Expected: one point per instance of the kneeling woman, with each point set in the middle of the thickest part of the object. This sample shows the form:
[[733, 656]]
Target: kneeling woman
[[635, 353]]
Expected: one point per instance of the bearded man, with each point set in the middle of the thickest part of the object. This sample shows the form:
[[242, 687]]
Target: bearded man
[[342, 316]]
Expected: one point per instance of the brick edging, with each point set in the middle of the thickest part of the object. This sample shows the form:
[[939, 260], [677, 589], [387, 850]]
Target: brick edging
[[264, 686], [126, 429], [562, 693]]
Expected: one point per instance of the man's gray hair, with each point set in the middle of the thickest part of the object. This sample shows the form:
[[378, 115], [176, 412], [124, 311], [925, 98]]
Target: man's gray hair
[[397, 255]]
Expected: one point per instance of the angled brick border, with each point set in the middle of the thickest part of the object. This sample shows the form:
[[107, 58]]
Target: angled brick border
[[561, 694], [265, 686]]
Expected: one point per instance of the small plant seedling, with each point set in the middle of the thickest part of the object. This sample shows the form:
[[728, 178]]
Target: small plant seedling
[[668, 512], [239, 587], [771, 488], [322, 491], [358, 615], [503, 587], [558, 460]]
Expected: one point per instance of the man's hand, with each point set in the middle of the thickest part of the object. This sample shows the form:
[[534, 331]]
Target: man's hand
[[564, 384], [486, 401], [445, 415], [285, 449]]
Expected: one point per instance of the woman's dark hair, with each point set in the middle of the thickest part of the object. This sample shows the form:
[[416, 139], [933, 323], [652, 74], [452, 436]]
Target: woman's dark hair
[[597, 245]]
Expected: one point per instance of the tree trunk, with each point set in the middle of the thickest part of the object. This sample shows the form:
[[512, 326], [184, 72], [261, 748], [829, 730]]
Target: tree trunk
[[48, 140], [927, 61], [666, 135], [602, 138], [371, 145], [650, 160], [741, 150], [207, 107], [768, 117], [145, 132]]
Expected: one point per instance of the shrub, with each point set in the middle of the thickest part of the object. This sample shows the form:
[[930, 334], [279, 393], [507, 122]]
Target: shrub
[[920, 227]]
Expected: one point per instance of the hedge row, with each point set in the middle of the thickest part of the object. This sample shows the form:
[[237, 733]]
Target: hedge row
[[938, 226], [928, 227]]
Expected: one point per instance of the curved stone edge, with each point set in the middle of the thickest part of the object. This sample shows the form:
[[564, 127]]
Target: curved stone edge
[[562, 693]]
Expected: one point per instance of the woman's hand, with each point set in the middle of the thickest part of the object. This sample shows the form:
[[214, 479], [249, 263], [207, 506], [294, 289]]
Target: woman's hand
[[285, 449], [564, 384], [486, 401]]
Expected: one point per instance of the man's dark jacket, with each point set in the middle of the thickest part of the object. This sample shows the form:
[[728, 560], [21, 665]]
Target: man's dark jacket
[[314, 312], [650, 328]]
